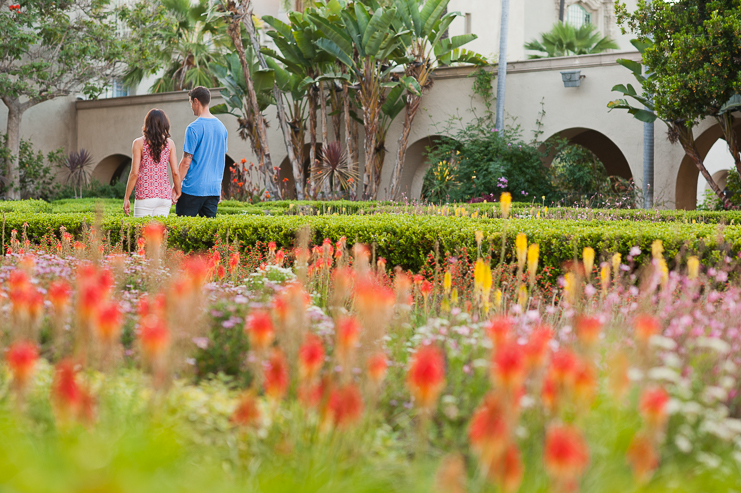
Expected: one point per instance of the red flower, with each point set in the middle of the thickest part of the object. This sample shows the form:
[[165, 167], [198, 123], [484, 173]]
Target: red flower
[[234, 261], [246, 413], [109, 322], [243, 160], [642, 457], [271, 247], [348, 333], [377, 367], [566, 453], [59, 294], [509, 367], [645, 327], [344, 406], [489, 432], [154, 232], [588, 329], [21, 358], [508, 471], [499, 329], [653, 406], [426, 288], [537, 349], [70, 399], [311, 357], [154, 337], [259, 328], [585, 383], [426, 376], [276, 375]]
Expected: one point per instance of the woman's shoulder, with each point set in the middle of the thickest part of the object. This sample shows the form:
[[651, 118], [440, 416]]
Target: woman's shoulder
[[170, 143], [138, 142]]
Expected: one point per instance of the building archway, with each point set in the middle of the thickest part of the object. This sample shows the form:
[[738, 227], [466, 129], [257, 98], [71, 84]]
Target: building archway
[[226, 179], [416, 164], [685, 195], [287, 180], [600, 144], [110, 169]]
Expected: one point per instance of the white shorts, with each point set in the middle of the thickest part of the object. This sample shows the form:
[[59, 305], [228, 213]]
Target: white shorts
[[152, 207]]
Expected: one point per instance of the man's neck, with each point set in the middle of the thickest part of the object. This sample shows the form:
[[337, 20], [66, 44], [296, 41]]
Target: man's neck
[[205, 113]]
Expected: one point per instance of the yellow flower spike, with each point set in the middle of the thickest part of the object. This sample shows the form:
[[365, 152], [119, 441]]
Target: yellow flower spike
[[478, 275], [664, 271], [454, 296], [533, 252], [505, 202], [604, 275], [546, 210], [487, 280], [479, 237], [693, 267], [522, 298], [447, 282], [569, 286], [521, 247], [616, 261], [538, 215], [588, 257], [445, 305], [498, 298], [657, 249]]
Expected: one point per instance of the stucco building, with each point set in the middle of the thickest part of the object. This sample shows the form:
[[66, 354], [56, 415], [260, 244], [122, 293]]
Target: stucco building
[[107, 127]]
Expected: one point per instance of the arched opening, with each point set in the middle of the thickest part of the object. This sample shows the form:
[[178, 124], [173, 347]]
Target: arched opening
[[415, 166], [226, 180], [287, 180], [111, 169], [605, 149], [690, 183]]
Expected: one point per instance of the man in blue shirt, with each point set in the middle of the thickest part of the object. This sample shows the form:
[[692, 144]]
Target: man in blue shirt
[[202, 166]]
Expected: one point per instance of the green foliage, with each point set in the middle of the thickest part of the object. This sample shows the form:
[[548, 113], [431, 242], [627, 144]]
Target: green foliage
[[94, 189], [226, 349], [577, 173], [567, 40], [37, 172]]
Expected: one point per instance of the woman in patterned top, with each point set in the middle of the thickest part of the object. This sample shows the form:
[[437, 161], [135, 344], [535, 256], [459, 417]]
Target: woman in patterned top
[[151, 154]]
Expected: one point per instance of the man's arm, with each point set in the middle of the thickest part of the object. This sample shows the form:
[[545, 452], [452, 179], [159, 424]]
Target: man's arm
[[183, 168]]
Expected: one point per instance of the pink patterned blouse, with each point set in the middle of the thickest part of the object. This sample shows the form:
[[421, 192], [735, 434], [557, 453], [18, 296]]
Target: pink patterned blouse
[[153, 181]]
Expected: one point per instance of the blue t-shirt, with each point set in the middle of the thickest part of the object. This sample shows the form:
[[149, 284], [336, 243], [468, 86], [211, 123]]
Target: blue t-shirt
[[205, 140]]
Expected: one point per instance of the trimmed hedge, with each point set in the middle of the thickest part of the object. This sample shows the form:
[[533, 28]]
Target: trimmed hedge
[[406, 240]]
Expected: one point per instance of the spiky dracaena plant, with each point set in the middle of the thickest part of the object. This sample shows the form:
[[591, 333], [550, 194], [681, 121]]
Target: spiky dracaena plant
[[334, 169], [78, 168]]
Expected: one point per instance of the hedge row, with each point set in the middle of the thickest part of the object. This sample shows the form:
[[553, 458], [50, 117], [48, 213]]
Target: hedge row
[[406, 240]]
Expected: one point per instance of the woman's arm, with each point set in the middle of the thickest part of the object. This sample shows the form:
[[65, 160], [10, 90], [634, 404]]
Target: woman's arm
[[176, 179], [136, 159]]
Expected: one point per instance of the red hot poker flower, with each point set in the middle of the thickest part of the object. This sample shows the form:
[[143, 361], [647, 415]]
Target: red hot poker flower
[[246, 413], [377, 367], [70, 399], [645, 327], [154, 232], [509, 367], [311, 357], [59, 294], [259, 328], [344, 406], [21, 358], [508, 471], [588, 329], [499, 329], [653, 406], [537, 349], [154, 337], [348, 333], [426, 376], [566, 453], [109, 323], [489, 432], [276, 375]]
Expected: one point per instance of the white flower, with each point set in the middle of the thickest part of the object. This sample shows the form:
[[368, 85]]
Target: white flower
[[692, 408], [672, 360], [683, 443], [727, 382], [635, 374], [663, 373], [710, 460], [480, 363], [733, 425], [714, 343], [713, 394], [663, 342]]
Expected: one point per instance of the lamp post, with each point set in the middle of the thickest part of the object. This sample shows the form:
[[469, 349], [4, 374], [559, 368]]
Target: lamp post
[[501, 78], [648, 159]]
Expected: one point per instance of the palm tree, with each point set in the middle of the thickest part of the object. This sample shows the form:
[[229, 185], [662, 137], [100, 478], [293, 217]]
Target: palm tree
[[190, 47], [566, 40]]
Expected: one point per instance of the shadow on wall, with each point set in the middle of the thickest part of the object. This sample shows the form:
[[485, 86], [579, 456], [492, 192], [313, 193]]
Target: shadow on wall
[[415, 166], [605, 149], [225, 181], [287, 180], [686, 187], [111, 169]]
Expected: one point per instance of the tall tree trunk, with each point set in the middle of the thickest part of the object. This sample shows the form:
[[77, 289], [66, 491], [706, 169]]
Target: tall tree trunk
[[380, 158], [261, 146], [351, 155], [413, 105], [325, 133], [370, 92], [13, 144], [298, 172], [686, 138], [335, 102], [312, 140]]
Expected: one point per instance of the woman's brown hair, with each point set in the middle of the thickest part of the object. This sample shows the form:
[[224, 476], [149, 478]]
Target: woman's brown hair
[[156, 131]]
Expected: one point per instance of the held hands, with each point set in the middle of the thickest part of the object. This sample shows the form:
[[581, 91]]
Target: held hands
[[175, 196], [127, 207]]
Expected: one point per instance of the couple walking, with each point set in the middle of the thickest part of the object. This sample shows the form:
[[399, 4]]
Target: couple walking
[[196, 189]]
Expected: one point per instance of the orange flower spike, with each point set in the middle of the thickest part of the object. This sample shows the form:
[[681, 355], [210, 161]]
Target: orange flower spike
[[426, 288], [18, 279], [276, 375], [154, 337], [311, 357], [566, 454], [196, 271], [537, 347], [509, 367], [377, 368], [66, 394], [59, 294], [220, 272], [426, 377], [271, 247], [21, 358], [510, 470], [247, 412], [642, 457], [344, 406], [109, 323], [234, 259], [564, 366], [588, 329], [259, 327], [585, 384], [348, 333], [652, 407], [645, 327], [549, 393], [499, 330], [153, 233], [280, 257], [489, 431]]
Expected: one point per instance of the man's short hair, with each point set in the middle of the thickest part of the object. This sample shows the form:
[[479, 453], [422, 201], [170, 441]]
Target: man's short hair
[[202, 94]]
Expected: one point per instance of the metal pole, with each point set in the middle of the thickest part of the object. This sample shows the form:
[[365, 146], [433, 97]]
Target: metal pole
[[502, 77], [560, 10], [648, 159]]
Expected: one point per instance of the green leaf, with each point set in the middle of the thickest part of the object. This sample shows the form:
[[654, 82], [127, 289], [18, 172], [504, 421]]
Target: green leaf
[[332, 48], [631, 65], [335, 34], [430, 14]]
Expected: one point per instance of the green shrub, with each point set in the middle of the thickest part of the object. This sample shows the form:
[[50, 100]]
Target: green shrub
[[37, 172], [95, 189]]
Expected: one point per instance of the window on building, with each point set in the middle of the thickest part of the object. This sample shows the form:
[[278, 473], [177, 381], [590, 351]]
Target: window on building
[[469, 19], [577, 16], [118, 90]]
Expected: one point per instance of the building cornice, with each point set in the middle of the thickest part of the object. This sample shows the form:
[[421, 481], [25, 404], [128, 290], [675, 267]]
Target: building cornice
[[140, 99]]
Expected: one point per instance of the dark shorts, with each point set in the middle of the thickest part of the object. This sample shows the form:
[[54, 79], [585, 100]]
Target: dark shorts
[[192, 205]]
